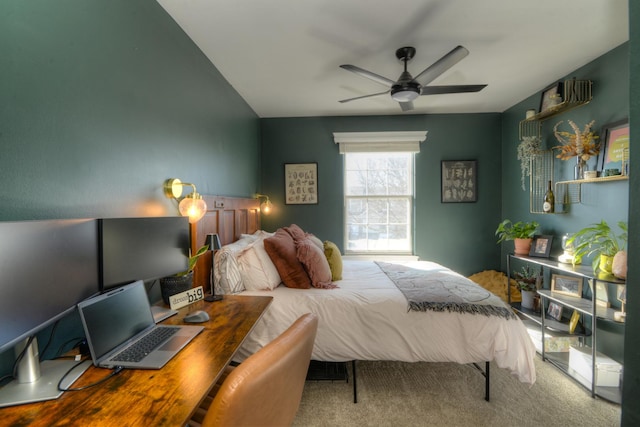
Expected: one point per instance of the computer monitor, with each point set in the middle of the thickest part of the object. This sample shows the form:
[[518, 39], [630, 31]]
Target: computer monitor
[[46, 268], [142, 249]]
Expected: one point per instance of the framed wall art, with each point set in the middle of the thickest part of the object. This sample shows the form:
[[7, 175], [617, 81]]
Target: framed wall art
[[567, 285], [459, 181], [613, 158], [551, 96], [301, 183], [541, 246]]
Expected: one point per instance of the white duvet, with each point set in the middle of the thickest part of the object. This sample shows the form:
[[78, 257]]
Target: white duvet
[[367, 318]]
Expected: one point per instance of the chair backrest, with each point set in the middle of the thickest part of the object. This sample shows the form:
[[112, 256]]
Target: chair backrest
[[265, 389]]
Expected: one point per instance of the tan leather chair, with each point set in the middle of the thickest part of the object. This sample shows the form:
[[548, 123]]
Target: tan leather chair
[[265, 389]]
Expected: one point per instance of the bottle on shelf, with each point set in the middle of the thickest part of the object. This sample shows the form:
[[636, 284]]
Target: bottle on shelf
[[549, 200]]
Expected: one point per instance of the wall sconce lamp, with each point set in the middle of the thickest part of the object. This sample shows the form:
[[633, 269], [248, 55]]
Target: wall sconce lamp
[[266, 206], [190, 205]]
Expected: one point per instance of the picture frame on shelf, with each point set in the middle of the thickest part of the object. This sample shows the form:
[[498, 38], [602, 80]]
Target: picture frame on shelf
[[301, 183], [541, 246], [573, 322], [555, 311], [621, 293], [602, 297], [459, 181], [551, 96], [614, 148], [566, 285]]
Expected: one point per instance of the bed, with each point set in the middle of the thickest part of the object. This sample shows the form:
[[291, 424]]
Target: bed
[[366, 315]]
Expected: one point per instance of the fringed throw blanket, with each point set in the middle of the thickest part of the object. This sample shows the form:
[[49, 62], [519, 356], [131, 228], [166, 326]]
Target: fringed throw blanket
[[441, 289]]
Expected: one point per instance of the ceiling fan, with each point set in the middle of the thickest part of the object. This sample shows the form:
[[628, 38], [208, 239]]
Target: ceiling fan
[[408, 88]]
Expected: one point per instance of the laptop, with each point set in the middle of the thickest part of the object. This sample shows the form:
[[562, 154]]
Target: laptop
[[117, 322]]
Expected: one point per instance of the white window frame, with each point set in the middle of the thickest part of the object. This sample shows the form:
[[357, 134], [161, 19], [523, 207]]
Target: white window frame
[[372, 142]]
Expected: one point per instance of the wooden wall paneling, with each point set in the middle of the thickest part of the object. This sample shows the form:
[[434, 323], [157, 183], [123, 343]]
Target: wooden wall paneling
[[229, 217]]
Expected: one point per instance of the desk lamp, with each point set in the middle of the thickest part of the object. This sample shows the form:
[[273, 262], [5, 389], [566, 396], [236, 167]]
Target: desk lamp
[[213, 242]]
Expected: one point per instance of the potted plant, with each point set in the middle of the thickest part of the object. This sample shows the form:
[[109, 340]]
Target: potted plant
[[181, 281], [520, 232], [527, 284], [601, 242]]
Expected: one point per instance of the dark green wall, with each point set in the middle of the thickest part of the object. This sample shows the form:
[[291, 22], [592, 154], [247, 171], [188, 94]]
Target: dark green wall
[[454, 234], [100, 102], [631, 381]]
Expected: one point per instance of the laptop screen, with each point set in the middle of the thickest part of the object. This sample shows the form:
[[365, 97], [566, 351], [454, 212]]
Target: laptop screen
[[115, 317]]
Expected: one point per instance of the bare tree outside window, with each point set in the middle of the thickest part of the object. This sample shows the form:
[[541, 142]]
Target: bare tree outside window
[[378, 202]]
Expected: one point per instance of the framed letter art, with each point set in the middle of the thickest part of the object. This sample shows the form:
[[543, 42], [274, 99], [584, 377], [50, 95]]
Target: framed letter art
[[301, 183], [459, 181]]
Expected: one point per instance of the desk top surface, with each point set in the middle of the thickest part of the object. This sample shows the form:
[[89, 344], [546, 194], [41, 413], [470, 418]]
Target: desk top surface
[[153, 397]]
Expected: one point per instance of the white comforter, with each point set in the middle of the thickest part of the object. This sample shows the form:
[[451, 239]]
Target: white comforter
[[367, 318]]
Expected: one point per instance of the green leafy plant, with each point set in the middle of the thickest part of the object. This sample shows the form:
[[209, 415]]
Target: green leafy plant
[[508, 230], [598, 239], [193, 259], [527, 279]]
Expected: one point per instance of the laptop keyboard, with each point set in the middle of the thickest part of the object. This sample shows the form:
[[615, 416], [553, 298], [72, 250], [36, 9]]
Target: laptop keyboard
[[145, 345]]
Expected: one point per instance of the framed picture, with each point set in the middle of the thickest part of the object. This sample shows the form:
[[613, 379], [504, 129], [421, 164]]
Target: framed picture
[[551, 96], [567, 285], [459, 181], [555, 311], [541, 246], [575, 317], [614, 149], [621, 293], [602, 297], [301, 183]]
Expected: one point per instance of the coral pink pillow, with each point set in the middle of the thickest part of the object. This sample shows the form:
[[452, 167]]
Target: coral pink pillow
[[282, 251], [296, 232], [315, 263]]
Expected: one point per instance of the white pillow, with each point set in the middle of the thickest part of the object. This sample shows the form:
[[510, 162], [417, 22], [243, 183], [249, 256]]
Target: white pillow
[[256, 268], [226, 272]]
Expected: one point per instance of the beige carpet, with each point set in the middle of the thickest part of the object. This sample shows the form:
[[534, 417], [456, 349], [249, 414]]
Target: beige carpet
[[447, 394]]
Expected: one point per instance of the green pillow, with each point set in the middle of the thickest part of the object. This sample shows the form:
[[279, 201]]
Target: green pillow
[[334, 258]]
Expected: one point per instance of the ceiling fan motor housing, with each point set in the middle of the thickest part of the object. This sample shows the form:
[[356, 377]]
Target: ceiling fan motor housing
[[405, 92]]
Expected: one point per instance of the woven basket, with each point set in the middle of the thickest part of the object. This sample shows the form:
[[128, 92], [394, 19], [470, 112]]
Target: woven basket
[[174, 285]]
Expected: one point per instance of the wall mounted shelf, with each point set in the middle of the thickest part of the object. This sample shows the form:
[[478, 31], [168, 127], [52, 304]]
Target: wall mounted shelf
[[571, 191]]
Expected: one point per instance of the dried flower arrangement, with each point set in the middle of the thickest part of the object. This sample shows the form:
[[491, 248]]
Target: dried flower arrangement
[[579, 143], [529, 147]]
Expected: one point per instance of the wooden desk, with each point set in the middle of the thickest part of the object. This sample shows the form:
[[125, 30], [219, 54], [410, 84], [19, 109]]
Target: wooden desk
[[165, 397]]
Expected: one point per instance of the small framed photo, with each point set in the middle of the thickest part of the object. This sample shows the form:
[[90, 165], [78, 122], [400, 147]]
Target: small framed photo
[[301, 183], [602, 295], [551, 96], [575, 318], [621, 293], [541, 246], [613, 158], [567, 285], [555, 311], [459, 181]]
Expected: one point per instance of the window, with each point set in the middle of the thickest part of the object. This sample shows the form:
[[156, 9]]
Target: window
[[378, 202]]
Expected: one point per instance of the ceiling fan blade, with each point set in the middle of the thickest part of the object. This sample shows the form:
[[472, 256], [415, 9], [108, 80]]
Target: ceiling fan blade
[[368, 74], [439, 90], [406, 106], [365, 96], [441, 65]]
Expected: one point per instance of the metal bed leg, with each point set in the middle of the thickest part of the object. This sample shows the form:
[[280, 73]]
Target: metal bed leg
[[355, 388], [486, 375]]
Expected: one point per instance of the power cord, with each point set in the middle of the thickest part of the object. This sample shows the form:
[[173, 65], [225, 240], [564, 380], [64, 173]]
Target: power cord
[[113, 373]]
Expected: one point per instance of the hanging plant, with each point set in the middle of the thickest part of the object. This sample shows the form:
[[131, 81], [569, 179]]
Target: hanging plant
[[529, 147]]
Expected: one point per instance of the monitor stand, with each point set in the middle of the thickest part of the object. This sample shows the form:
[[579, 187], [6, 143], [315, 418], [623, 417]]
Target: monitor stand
[[45, 387]]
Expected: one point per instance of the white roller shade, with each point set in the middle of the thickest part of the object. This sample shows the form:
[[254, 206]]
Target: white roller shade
[[369, 142]]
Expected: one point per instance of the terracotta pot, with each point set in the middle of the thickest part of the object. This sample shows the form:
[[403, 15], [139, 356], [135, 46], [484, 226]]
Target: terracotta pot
[[619, 266], [522, 246]]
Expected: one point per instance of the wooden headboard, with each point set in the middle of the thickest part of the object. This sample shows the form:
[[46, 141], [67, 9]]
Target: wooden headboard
[[229, 217]]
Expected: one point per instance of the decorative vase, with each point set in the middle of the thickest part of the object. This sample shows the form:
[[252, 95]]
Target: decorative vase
[[579, 168], [174, 285], [527, 299], [606, 262], [522, 246]]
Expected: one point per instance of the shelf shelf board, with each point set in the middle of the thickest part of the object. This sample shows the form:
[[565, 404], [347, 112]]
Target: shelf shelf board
[[594, 180]]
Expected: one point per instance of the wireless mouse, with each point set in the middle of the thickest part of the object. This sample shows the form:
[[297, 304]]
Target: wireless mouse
[[197, 316]]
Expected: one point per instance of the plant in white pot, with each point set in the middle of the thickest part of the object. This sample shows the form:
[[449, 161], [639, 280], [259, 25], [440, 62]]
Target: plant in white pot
[[527, 284], [520, 232], [181, 281], [607, 248]]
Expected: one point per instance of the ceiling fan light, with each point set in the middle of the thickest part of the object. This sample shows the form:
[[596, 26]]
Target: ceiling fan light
[[405, 94]]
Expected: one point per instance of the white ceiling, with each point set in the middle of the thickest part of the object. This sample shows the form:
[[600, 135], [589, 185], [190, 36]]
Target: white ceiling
[[283, 56]]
